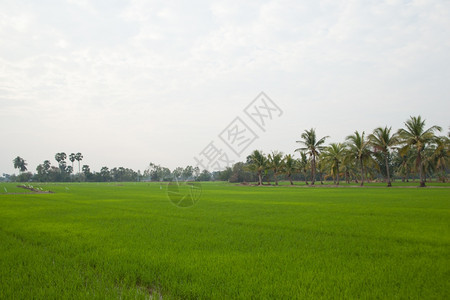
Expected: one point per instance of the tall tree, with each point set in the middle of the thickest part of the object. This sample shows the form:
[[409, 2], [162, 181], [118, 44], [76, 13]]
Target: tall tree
[[20, 163], [358, 147], [79, 157], [303, 166], [105, 174], [313, 146], [415, 136], [348, 166], [87, 172], [187, 172], [404, 163], [60, 158], [321, 168], [290, 167], [275, 162], [257, 162], [69, 170], [47, 165], [72, 158], [441, 156], [333, 155], [177, 172], [382, 140]]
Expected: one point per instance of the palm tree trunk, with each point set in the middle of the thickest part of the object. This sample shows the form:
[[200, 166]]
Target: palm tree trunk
[[337, 173], [313, 169], [290, 179], [419, 163], [387, 171], [362, 171], [276, 179], [259, 178]]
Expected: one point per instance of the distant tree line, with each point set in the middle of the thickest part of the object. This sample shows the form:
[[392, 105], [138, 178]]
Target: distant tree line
[[409, 153], [64, 172]]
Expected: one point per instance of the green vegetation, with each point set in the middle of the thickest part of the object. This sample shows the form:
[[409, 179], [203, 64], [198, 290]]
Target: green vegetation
[[411, 152], [109, 240]]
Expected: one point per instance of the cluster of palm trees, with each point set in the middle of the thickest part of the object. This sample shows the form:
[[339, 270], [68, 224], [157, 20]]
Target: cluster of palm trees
[[413, 149], [60, 157]]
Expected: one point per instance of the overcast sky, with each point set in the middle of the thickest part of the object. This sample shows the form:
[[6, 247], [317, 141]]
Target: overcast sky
[[132, 82]]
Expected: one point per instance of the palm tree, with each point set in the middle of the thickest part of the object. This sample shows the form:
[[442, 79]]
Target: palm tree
[[79, 157], [60, 156], [415, 136], [72, 158], [20, 163], [86, 169], [333, 156], [47, 165], [404, 163], [303, 166], [258, 163], [69, 170], [441, 156], [348, 166], [313, 146], [321, 167], [382, 140], [290, 167], [276, 162], [358, 147]]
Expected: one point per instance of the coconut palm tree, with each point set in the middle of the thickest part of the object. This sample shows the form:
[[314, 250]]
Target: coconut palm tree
[[257, 162], [348, 166], [78, 157], [321, 168], [333, 156], [404, 163], [303, 165], [358, 147], [290, 167], [276, 162], [20, 163], [313, 146], [415, 136], [441, 156], [382, 140]]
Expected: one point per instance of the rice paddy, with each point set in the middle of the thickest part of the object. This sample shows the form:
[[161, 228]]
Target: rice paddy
[[129, 240]]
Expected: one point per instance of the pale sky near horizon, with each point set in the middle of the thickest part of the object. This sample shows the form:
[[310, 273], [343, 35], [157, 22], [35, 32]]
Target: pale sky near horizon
[[132, 82]]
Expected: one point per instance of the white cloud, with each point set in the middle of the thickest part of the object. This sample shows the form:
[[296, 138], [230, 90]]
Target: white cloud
[[137, 81]]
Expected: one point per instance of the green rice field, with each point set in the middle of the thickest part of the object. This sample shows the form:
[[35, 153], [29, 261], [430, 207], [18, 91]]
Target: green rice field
[[129, 241]]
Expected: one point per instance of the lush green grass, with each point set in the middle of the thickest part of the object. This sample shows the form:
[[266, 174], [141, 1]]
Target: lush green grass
[[110, 241]]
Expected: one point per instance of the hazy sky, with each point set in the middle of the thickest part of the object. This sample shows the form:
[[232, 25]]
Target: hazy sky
[[132, 82]]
